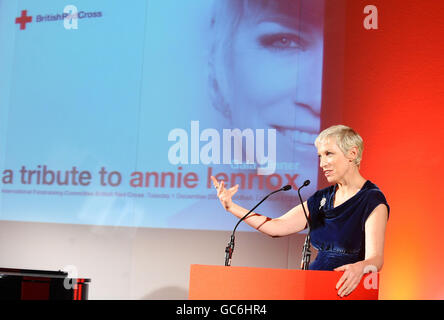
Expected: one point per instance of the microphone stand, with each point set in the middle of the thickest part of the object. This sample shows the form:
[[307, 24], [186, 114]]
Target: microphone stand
[[230, 247], [306, 253]]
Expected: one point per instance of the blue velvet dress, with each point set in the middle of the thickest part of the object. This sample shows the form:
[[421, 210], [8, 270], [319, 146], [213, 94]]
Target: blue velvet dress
[[339, 233]]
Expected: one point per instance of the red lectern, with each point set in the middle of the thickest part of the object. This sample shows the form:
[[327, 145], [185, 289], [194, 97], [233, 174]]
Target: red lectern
[[245, 283]]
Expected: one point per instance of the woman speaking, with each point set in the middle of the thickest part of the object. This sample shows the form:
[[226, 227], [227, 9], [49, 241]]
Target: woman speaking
[[347, 219]]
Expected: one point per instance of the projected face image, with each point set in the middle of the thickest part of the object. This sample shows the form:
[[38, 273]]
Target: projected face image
[[267, 67]]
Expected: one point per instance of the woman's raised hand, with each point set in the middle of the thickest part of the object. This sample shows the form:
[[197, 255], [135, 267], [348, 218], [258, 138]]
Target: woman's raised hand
[[223, 194]]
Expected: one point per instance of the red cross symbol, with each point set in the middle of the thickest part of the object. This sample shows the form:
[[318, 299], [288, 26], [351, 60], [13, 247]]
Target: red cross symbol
[[23, 20]]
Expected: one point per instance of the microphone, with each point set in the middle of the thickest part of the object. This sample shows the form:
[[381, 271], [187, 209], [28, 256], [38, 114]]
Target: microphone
[[286, 188], [230, 248], [306, 183], [306, 253]]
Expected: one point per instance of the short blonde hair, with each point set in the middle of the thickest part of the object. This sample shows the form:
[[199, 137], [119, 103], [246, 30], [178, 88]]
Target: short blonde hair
[[346, 138]]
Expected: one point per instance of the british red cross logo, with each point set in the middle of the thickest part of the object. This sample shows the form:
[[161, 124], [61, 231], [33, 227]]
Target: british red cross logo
[[23, 20]]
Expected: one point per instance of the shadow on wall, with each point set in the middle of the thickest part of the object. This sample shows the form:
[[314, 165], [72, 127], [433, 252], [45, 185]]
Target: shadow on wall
[[167, 293]]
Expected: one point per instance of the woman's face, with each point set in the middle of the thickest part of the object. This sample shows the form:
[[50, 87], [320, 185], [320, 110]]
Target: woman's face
[[333, 162], [275, 77]]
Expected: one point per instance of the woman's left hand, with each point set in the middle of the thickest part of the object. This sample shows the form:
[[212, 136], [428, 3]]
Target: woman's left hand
[[350, 279]]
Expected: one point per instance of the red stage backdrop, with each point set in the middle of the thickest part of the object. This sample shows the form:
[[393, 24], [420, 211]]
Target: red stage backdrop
[[393, 96]]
